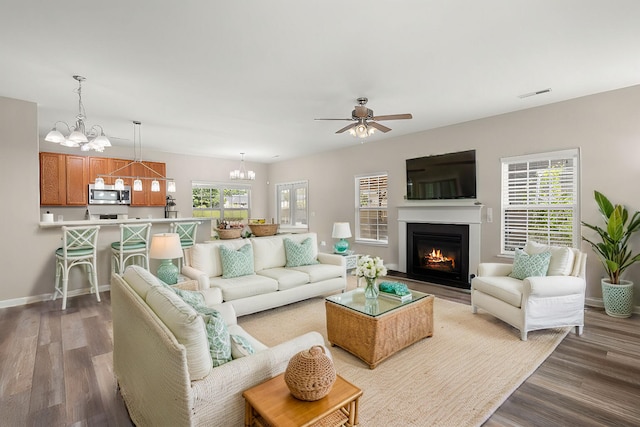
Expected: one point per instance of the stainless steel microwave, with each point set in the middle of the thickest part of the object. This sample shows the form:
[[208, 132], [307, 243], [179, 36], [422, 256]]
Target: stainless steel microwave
[[109, 195]]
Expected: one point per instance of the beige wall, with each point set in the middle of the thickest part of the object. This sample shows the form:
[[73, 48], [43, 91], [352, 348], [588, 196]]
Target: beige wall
[[605, 126]]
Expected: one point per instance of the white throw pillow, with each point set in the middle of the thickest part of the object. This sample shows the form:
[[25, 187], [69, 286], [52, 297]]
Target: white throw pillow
[[562, 257], [186, 325], [203, 258], [140, 279]]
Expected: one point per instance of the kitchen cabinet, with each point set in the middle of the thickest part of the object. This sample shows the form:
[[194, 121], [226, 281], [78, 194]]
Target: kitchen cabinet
[[64, 179], [77, 180], [52, 179]]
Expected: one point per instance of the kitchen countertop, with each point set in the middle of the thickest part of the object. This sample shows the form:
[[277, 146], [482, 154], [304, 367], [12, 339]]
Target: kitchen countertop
[[117, 222]]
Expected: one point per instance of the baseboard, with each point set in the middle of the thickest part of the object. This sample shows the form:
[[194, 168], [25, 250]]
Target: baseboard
[[46, 297], [598, 303]]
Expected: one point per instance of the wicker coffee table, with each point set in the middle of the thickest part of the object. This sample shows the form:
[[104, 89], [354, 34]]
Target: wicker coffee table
[[375, 330]]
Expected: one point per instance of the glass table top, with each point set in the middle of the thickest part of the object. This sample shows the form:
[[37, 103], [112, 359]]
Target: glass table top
[[355, 300]]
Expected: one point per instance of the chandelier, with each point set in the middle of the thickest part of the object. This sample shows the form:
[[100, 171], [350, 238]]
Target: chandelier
[[137, 180], [242, 173], [95, 139]]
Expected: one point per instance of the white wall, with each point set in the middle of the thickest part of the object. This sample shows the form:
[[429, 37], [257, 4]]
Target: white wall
[[605, 126]]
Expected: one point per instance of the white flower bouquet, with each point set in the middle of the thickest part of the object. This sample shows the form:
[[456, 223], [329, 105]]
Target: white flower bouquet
[[370, 267]]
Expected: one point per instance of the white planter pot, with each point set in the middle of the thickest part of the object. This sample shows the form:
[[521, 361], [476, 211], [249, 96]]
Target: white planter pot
[[618, 299]]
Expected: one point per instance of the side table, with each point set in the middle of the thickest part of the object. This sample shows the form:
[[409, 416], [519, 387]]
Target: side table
[[351, 261], [271, 404]]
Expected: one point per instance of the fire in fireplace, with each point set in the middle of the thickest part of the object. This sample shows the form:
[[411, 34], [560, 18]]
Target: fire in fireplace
[[438, 253]]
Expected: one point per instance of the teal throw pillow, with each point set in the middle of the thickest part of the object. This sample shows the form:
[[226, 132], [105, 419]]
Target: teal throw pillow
[[525, 265], [240, 347], [192, 298], [299, 254], [236, 263]]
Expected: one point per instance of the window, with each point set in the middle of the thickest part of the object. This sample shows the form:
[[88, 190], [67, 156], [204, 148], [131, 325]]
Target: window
[[293, 204], [540, 200], [371, 209], [233, 206]]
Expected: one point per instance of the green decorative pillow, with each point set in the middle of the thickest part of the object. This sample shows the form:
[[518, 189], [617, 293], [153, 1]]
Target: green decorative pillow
[[193, 298], [525, 265], [299, 254], [240, 347], [236, 263]]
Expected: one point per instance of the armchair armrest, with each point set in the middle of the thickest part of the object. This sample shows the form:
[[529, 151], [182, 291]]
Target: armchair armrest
[[195, 274], [553, 286], [494, 269]]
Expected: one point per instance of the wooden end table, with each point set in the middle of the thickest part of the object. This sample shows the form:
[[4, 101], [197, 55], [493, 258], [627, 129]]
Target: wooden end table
[[373, 330], [271, 404]]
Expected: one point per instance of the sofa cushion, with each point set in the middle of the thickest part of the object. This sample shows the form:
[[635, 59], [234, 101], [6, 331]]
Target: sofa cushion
[[562, 258], [245, 286], [203, 258], [287, 277], [140, 279], [299, 254], [217, 335], [186, 325], [193, 298], [525, 265], [504, 288], [320, 272], [236, 263], [268, 252]]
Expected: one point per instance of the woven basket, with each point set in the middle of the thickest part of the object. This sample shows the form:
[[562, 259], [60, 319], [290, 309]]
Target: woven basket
[[310, 374], [229, 233], [261, 230]]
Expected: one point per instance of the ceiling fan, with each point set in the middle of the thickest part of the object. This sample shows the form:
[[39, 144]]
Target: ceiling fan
[[365, 122]]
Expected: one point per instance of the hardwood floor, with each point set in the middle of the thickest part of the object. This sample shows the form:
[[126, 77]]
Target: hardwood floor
[[56, 370]]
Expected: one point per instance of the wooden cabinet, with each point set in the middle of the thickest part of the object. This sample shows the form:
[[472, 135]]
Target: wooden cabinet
[[77, 180], [52, 179], [64, 179]]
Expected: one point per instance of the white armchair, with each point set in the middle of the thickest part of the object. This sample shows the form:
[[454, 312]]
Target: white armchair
[[551, 301]]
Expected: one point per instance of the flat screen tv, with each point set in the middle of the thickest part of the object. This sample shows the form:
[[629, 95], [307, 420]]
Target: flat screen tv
[[444, 176]]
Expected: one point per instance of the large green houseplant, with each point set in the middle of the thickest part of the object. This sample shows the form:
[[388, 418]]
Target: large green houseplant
[[614, 253]]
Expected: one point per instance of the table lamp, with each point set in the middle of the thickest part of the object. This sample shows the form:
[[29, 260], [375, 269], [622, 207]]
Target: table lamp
[[342, 231], [166, 246]]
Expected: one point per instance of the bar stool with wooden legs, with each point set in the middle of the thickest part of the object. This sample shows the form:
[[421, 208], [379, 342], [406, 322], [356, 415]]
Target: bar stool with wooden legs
[[133, 247], [79, 248]]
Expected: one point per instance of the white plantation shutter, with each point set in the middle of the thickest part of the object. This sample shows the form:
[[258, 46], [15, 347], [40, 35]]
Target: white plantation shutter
[[540, 200], [371, 208]]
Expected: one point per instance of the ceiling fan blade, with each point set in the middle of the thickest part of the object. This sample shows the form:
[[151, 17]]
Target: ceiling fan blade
[[361, 111], [352, 125], [348, 120], [378, 126], [393, 117]]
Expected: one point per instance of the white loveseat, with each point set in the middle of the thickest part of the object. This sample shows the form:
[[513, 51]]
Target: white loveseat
[[162, 361], [270, 282], [550, 301]]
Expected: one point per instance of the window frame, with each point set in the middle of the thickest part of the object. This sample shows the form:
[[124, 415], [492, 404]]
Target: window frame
[[292, 186], [221, 187], [567, 185], [358, 209]]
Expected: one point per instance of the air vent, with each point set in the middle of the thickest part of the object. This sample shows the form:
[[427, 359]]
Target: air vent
[[539, 92]]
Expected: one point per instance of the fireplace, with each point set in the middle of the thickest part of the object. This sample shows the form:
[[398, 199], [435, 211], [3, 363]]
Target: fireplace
[[438, 253], [446, 217]]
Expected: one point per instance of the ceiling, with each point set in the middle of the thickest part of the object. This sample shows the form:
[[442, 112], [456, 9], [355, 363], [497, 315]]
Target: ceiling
[[218, 78]]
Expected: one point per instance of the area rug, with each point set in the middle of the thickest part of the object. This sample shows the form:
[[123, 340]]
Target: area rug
[[458, 377]]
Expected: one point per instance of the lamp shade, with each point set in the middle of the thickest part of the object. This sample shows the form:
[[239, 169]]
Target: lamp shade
[[341, 230], [165, 246]]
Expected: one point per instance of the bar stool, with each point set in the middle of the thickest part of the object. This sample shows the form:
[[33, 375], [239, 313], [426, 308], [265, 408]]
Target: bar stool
[[79, 248], [187, 233], [133, 246]]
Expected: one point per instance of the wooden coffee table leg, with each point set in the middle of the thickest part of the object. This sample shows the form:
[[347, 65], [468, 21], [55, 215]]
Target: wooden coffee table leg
[[248, 414]]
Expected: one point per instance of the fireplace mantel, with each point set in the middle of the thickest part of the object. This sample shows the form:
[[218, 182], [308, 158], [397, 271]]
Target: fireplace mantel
[[441, 212]]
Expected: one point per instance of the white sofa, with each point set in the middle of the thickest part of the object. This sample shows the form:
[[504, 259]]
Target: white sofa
[[162, 361], [270, 284], [550, 301]]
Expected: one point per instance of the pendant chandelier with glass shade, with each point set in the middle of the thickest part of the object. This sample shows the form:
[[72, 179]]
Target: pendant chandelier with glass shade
[[137, 180], [242, 173], [94, 139]]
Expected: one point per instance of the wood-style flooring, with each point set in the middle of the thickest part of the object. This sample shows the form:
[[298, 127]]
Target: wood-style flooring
[[56, 370]]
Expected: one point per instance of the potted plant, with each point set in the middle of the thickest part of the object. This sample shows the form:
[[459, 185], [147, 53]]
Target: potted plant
[[615, 255]]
